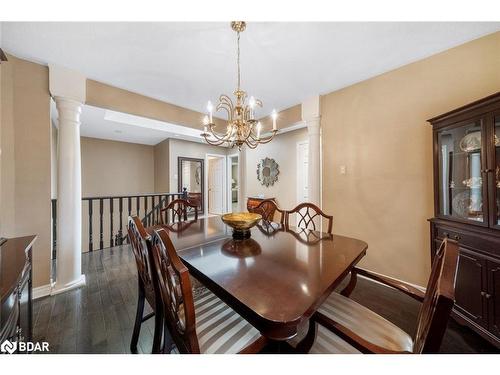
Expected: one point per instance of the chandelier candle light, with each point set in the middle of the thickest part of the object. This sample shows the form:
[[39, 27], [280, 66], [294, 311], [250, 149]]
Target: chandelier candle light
[[242, 127]]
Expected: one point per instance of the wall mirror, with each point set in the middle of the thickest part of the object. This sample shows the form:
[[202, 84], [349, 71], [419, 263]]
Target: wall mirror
[[267, 172], [191, 178]]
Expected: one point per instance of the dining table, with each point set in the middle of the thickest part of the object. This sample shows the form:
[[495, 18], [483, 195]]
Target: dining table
[[276, 279]]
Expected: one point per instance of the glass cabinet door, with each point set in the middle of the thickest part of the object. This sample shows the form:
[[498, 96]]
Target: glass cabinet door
[[460, 166], [496, 171]]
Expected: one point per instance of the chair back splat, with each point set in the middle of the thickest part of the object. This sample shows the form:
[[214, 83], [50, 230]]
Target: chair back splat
[[147, 290], [178, 209], [176, 293], [267, 208], [439, 299], [137, 237], [307, 214]]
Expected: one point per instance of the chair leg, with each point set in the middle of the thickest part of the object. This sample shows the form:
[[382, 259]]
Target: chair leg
[[158, 332], [138, 318], [167, 340]]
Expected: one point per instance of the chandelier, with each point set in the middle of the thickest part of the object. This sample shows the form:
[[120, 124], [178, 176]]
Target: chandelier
[[242, 127]]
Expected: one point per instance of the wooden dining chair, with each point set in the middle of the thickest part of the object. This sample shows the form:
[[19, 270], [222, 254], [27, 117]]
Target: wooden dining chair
[[197, 324], [268, 209], [146, 292], [341, 325], [307, 216], [179, 209]]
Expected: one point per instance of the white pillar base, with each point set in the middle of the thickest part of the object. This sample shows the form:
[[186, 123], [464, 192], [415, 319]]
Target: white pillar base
[[58, 289]]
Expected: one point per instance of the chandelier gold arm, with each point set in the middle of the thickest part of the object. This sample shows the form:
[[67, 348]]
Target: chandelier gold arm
[[242, 128], [226, 104], [218, 136]]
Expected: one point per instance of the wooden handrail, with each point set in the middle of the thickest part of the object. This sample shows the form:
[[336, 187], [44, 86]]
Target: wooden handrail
[[113, 211]]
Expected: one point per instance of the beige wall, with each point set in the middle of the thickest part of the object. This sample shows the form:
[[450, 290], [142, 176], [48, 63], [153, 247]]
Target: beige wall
[[162, 167], [25, 164], [378, 130], [106, 96], [116, 168], [283, 149], [286, 118], [8, 176], [188, 149]]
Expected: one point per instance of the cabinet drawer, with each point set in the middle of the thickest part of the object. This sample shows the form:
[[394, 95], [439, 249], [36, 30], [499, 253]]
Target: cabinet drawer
[[472, 240]]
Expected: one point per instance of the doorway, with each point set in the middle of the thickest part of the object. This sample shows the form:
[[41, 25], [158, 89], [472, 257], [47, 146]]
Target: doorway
[[216, 184], [233, 186]]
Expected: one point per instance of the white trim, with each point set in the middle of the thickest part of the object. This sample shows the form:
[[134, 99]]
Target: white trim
[[298, 194], [291, 128], [421, 288], [72, 285], [41, 291], [224, 183]]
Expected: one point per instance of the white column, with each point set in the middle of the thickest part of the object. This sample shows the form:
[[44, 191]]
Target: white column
[[68, 91], [242, 179], [311, 116]]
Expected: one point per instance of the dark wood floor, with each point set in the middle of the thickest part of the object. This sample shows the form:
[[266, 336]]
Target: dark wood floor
[[98, 318]]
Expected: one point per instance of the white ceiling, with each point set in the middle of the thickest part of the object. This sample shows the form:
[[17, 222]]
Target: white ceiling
[[188, 63]]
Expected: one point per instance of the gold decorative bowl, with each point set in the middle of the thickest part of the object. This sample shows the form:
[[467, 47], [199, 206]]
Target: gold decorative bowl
[[241, 223]]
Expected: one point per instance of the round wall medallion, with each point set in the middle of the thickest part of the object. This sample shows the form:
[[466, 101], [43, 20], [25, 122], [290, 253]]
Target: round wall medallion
[[267, 172]]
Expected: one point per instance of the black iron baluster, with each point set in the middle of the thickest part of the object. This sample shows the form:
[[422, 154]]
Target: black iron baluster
[[101, 234], [54, 227], [91, 244], [120, 231], [138, 205], [111, 242], [153, 205], [146, 209]]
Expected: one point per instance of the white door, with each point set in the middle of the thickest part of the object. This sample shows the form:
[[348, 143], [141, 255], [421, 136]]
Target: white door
[[302, 172], [216, 185]]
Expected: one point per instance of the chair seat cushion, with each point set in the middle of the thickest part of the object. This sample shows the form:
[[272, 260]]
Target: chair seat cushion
[[325, 342], [219, 328], [365, 323]]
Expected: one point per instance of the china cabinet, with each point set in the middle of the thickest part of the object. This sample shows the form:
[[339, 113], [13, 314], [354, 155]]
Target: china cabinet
[[467, 208]]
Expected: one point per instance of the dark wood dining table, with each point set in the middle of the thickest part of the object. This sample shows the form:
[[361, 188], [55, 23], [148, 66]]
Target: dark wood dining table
[[275, 279]]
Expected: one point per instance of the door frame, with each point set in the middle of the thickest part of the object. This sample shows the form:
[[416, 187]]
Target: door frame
[[229, 188], [224, 180]]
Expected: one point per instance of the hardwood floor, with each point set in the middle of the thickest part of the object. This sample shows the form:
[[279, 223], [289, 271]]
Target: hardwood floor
[[98, 318]]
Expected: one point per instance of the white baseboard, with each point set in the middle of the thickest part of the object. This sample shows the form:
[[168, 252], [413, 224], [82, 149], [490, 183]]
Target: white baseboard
[[387, 286], [41, 291], [57, 289]]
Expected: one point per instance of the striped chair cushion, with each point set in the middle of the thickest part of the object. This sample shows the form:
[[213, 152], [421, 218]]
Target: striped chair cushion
[[219, 328], [365, 323], [326, 342]]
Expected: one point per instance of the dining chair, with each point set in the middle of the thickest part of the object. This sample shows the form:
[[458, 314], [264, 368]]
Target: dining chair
[[268, 208], [197, 324], [146, 292], [307, 216], [341, 325], [179, 209]]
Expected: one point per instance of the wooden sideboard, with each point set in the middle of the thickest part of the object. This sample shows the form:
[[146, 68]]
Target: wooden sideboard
[[467, 208], [16, 289]]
